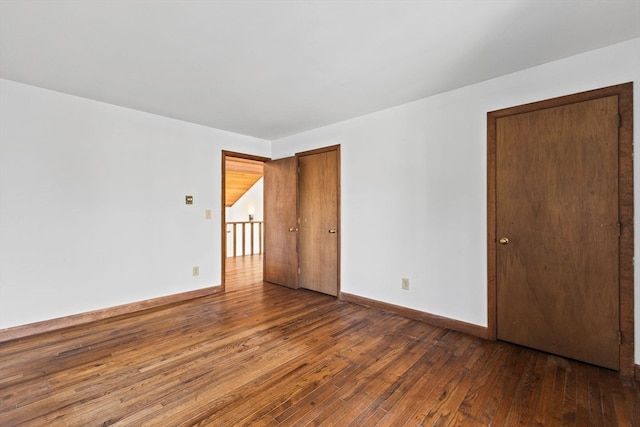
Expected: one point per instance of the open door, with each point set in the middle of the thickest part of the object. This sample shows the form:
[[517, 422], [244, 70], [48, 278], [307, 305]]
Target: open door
[[281, 222]]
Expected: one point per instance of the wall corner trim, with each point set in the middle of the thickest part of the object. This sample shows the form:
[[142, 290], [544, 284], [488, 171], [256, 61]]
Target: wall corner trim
[[432, 319], [24, 331]]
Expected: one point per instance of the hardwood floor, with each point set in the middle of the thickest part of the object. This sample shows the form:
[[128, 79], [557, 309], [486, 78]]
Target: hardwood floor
[[265, 355]]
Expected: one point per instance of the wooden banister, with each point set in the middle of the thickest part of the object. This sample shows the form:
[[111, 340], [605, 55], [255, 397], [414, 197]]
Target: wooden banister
[[239, 230]]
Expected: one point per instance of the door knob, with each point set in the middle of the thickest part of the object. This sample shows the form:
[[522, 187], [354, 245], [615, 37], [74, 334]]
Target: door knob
[[503, 241], [332, 231], [292, 229]]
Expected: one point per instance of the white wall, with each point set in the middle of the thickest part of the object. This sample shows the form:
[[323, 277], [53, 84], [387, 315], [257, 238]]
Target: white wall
[[415, 177], [251, 201], [92, 210]]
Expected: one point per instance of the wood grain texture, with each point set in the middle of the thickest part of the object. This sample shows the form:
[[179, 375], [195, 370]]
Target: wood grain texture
[[627, 247], [432, 319], [238, 184], [318, 213], [624, 92], [281, 222], [557, 202], [266, 355], [102, 314]]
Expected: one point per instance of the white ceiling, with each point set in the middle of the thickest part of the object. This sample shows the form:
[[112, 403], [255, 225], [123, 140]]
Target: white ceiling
[[275, 68]]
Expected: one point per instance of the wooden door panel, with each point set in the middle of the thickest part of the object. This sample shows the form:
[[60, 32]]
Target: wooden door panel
[[557, 203], [280, 222], [318, 212]]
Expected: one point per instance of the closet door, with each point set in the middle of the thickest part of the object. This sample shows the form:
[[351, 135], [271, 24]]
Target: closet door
[[318, 208], [558, 230]]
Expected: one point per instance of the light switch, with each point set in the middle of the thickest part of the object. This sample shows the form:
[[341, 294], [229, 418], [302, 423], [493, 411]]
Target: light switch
[[207, 214], [188, 200]]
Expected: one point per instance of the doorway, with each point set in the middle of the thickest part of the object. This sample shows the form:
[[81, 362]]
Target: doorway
[[560, 226], [242, 216]]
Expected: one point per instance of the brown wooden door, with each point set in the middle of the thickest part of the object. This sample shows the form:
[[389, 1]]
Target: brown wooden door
[[280, 222], [318, 182], [557, 204]]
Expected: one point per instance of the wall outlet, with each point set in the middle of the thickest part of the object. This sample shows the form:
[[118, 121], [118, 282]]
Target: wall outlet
[[196, 271], [207, 214], [405, 283]]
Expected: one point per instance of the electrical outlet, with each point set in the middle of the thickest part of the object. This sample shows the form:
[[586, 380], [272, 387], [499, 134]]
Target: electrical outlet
[[207, 214], [405, 283], [196, 271]]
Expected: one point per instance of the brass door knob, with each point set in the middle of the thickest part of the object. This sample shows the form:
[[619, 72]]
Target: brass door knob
[[503, 241], [292, 229]]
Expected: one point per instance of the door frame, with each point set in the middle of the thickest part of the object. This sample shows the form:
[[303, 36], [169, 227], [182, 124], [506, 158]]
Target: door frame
[[223, 212], [624, 92]]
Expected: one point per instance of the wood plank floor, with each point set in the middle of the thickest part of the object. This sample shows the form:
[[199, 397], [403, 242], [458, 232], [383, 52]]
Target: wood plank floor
[[265, 355]]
